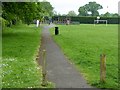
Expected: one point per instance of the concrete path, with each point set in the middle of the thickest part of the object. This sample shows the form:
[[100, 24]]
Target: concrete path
[[59, 70]]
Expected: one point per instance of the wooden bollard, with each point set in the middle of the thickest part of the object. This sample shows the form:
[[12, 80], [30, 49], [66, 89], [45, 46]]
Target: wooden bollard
[[44, 83], [102, 68], [37, 57]]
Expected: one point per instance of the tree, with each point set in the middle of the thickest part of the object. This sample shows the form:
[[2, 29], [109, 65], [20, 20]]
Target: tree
[[59, 14], [55, 13], [107, 14], [82, 11], [45, 8], [15, 11], [29, 12], [64, 15], [71, 13], [25, 11], [115, 15], [92, 7]]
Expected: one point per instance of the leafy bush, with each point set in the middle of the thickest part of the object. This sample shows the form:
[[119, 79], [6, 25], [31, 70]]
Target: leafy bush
[[3, 22]]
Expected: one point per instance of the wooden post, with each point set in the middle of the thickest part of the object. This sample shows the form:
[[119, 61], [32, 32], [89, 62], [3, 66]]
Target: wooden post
[[37, 57], [102, 68], [44, 83]]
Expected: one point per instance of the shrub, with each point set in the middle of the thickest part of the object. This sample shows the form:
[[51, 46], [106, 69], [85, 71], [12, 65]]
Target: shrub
[[3, 22]]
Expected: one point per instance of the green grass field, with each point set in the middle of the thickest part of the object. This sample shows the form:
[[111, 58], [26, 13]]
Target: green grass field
[[83, 44], [19, 49]]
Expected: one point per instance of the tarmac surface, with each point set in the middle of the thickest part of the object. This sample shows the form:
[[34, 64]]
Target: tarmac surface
[[59, 69]]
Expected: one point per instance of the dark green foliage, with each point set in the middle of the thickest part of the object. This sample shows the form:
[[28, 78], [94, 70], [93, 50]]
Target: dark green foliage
[[82, 11], [107, 14], [92, 7], [13, 12], [3, 22], [71, 13]]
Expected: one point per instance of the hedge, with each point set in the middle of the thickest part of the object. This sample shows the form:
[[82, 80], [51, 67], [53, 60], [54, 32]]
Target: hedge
[[88, 19]]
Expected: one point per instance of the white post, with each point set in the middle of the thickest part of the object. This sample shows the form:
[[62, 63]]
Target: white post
[[106, 22], [37, 23], [97, 21], [94, 22]]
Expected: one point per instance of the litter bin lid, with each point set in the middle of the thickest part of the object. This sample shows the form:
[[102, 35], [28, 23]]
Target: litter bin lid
[[56, 27]]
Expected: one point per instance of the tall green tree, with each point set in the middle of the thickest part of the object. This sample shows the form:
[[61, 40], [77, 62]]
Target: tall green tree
[[92, 7], [25, 11], [45, 9], [83, 11], [71, 13], [15, 11]]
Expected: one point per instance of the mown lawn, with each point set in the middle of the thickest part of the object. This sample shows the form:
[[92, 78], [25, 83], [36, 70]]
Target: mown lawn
[[19, 49], [83, 44]]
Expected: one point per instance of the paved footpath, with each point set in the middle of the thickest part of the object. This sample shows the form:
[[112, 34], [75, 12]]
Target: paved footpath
[[59, 69]]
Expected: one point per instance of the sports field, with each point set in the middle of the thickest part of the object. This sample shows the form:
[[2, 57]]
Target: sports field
[[83, 45]]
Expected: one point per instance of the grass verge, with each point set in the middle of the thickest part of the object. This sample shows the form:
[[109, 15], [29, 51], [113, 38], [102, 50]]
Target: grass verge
[[20, 47]]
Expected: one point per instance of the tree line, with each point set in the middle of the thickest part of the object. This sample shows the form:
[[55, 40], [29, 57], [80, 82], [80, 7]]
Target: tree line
[[90, 9], [25, 12]]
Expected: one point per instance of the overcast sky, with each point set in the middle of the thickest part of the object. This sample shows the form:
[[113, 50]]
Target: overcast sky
[[64, 6]]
